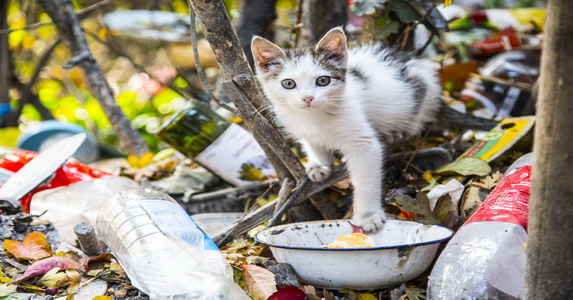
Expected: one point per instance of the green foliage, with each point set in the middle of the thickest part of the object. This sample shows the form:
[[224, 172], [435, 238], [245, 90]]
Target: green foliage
[[421, 207], [64, 92]]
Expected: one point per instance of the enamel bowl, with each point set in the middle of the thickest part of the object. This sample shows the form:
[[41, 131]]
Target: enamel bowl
[[403, 251]]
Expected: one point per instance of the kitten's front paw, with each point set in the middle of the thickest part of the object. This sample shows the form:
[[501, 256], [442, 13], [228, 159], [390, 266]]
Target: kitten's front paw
[[318, 172], [369, 221]]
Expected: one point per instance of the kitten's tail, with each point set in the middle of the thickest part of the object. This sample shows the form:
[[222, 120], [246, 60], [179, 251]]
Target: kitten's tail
[[454, 118]]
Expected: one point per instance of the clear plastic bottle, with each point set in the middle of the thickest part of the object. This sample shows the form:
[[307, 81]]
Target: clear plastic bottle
[[164, 253], [486, 258]]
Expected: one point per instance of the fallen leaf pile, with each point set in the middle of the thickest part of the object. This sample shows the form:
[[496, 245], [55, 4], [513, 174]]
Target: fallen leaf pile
[[30, 266]]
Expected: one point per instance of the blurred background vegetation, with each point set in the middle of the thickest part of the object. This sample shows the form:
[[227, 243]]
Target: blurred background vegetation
[[150, 78]]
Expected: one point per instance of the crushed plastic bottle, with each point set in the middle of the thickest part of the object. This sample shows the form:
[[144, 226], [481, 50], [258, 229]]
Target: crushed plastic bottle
[[164, 253], [486, 258]]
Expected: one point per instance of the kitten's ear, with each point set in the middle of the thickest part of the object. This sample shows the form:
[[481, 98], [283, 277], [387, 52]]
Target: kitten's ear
[[333, 43], [265, 53]]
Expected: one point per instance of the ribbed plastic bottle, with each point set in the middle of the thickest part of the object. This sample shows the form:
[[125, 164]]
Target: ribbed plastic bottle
[[486, 258], [164, 253]]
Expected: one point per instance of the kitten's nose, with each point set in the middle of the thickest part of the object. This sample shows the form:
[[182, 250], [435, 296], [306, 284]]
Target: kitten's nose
[[307, 99]]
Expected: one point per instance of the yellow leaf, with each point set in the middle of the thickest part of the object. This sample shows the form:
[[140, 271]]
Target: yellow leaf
[[132, 160], [145, 159], [7, 289], [103, 33], [53, 278], [140, 162], [236, 120], [102, 298], [28, 41], [427, 176], [365, 296], [3, 278], [447, 3]]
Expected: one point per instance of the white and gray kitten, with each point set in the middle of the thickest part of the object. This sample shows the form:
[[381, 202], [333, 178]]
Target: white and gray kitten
[[351, 100]]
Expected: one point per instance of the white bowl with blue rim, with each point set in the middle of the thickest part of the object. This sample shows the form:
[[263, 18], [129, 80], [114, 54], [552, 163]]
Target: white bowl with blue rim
[[404, 250]]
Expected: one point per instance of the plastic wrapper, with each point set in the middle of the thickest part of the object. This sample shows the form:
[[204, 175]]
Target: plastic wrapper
[[498, 98], [509, 201], [486, 258], [70, 172], [78, 202], [514, 66]]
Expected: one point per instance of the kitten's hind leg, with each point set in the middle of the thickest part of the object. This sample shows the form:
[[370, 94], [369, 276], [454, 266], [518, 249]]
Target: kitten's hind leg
[[320, 160]]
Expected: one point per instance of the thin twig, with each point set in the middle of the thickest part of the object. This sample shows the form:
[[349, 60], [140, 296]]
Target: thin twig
[[298, 24], [80, 13], [266, 212], [199, 67], [278, 215], [285, 190], [418, 147]]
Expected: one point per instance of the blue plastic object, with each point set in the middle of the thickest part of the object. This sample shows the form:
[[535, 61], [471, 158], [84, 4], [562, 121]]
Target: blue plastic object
[[4, 109], [51, 131]]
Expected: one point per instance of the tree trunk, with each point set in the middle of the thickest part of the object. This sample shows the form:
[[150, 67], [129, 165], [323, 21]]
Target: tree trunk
[[241, 86], [318, 17], [550, 249], [256, 18], [5, 71], [66, 20]]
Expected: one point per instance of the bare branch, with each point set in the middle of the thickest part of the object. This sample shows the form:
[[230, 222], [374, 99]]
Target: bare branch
[[199, 67], [67, 22], [82, 13], [264, 213]]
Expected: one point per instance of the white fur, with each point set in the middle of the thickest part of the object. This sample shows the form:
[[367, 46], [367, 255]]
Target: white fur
[[351, 117]]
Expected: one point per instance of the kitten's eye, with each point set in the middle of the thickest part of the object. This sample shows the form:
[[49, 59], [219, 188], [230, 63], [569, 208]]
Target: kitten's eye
[[288, 84], [323, 80]]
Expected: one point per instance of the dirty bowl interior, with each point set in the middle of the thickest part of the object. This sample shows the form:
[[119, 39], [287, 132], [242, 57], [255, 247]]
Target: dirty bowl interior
[[403, 251]]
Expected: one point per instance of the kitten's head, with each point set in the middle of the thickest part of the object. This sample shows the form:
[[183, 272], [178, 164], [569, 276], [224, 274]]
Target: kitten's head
[[303, 79]]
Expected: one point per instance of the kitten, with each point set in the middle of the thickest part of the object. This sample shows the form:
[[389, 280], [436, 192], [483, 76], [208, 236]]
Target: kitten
[[351, 100]]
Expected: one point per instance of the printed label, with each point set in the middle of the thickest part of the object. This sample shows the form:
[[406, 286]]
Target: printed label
[[174, 221], [508, 132], [5, 175], [509, 200], [236, 151]]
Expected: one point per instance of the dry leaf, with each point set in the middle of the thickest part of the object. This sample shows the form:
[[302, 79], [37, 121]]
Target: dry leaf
[[328, 295], [33, 247], [489, 182], [3, 277], [74, 281], [53, 279], [43, 266], [7, 289], [102, 298], [310, 292], [259, 282], [115, 267]]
